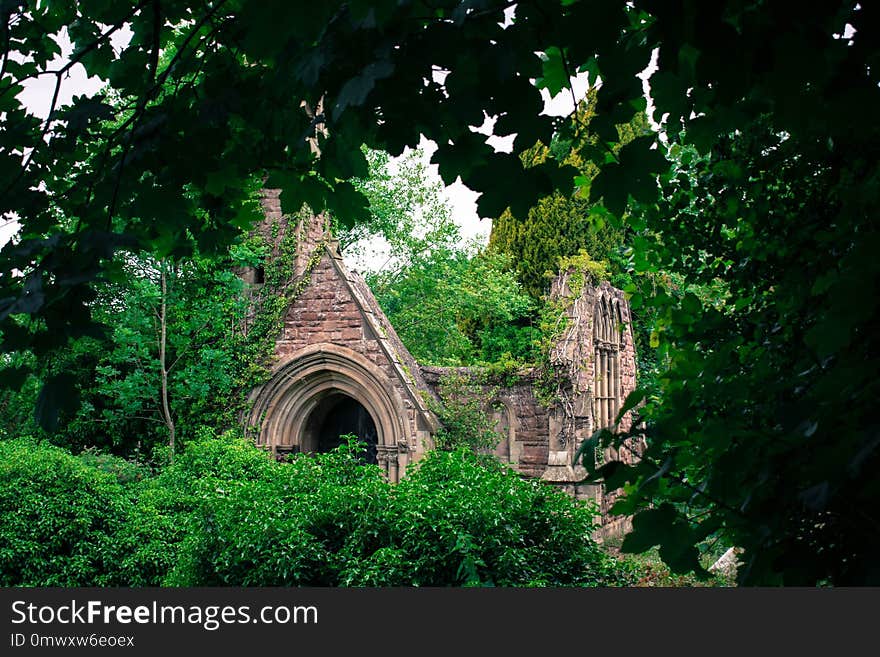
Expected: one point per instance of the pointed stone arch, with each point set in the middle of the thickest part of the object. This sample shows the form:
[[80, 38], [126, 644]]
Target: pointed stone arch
[[504, 422], [284, 407]]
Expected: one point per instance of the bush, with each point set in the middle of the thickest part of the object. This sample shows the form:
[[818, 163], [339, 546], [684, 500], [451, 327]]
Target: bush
[[298, 523], [225, 513], [151, 538], [126, 472], [171, 509], [58, 518], [326, 520], [466, 519]]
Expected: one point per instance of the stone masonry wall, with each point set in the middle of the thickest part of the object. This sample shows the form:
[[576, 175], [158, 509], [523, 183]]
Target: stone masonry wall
[[522, 422], [326, 312], [574, 359]]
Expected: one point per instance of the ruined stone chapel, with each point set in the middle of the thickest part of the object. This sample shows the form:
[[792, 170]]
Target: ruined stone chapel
[[340, 368]]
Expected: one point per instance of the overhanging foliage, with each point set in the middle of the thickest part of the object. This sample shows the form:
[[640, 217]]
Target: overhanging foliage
[[771, 187]]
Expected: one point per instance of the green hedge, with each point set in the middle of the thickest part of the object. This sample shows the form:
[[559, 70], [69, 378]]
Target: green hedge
[[226, 514], [59, 518]]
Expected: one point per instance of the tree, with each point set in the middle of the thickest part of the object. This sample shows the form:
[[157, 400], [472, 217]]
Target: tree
[[559, 225], [761, 426], [163, 370], [163, 355], [555, 228], [451, 303], [226, 107], [407, 211], [458, 307], [761, 429]]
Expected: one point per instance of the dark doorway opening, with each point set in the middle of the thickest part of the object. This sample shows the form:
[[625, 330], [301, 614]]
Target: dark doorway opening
[[335, 416]]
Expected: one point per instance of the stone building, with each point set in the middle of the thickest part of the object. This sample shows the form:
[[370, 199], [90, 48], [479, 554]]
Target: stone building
[[340, 368]]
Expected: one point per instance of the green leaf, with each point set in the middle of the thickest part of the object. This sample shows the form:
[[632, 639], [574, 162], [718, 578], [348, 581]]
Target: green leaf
[[355, 91], [84, 111], [348, 205], [650, 528], [554, 77], [632, 400], [611, 185], [13, 377], [299, 190]]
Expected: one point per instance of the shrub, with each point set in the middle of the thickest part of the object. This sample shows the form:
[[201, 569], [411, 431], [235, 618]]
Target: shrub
[[225, 513], [326, 520], [465, 519], [150, 540], [297, 523], [172, 509], [126, 472], [58, 518]]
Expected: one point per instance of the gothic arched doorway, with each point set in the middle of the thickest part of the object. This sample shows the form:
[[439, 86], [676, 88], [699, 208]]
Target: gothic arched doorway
[[334, 416], [325, 391]]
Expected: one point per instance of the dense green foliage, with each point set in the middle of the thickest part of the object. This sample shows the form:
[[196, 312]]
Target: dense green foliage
[[766, 379], [455, 307], [117, 377], [557, 226], [329, 521], [763, 189], [465, 412], [59, 518], [225, 513], [168, 167], [560, 226], [762, 428], [450, 301]]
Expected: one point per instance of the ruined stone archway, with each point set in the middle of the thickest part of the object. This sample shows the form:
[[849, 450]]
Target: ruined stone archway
[[508, 449], [291, 410]]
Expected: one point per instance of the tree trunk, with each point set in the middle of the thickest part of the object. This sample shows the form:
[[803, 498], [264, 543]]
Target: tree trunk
[[163, 365]]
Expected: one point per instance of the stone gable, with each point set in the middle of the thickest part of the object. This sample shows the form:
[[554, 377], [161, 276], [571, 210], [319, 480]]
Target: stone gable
[[337, 355]]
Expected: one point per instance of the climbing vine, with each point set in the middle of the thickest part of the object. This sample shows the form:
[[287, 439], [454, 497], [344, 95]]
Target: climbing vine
[[281, 287], [554, 372], [464, 410]]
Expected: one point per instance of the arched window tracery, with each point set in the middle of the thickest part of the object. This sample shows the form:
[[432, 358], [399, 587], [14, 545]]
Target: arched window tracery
[[606, 363]]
